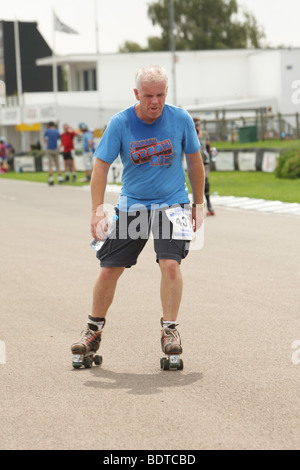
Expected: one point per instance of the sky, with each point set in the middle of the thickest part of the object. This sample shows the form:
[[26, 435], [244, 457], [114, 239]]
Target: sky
[[121, 20]]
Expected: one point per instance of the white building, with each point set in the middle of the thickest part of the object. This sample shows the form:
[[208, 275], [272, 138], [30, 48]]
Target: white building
[[203, 82]]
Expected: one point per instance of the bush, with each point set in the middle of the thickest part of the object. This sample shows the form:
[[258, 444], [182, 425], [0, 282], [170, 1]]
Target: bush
[[288, 165], [36, 153]]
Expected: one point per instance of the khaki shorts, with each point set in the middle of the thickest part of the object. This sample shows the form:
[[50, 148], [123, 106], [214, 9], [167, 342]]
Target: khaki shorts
[[88, 160], [53, 156]]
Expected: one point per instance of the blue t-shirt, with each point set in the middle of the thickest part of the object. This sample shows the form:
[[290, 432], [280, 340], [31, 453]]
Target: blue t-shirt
[[52, 136], [151, 155]]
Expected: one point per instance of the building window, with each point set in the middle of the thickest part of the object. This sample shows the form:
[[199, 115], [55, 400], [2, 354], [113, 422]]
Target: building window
[[78, 84], [94, 78], [86, 80]]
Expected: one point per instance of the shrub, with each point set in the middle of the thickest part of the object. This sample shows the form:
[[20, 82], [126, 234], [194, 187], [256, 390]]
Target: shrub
[[36, 153], [288, 165]]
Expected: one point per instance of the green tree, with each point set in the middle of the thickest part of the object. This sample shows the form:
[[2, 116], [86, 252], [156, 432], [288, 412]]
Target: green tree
[[131, 46], [204, 24]]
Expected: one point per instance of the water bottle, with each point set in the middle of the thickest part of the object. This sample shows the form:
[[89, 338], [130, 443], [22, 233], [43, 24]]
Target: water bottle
[[214, 154], [97, 244]]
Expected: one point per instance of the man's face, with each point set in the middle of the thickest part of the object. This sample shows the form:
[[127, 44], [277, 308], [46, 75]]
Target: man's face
[[152, 97]]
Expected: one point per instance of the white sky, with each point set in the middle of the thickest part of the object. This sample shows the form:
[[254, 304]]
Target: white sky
[[120, 20]]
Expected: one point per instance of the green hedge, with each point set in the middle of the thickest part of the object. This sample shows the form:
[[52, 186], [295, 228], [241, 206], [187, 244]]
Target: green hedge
[[288, 165]]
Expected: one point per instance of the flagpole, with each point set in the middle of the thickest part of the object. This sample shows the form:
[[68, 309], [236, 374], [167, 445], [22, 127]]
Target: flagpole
[[98, 55], [19, 77], [96, 28], [54, 63], [18, 62], [54, 66], [172, 47]]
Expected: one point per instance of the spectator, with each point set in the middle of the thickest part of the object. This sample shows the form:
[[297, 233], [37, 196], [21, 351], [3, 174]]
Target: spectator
[[206, 156], [88, 149], [67, 143], [3, 154], [51, 138]]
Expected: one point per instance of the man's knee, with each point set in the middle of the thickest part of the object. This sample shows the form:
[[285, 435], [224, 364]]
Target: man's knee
[[110, 273], [170, 268]]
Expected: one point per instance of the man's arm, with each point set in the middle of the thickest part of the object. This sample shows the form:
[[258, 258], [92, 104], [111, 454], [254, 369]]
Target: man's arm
[[98, 185], [196, 177]]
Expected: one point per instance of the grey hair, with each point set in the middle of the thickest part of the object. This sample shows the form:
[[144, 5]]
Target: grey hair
[[152, 73]]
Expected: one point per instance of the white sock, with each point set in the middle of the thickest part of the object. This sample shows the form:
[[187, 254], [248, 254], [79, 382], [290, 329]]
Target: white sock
[[167, 324]]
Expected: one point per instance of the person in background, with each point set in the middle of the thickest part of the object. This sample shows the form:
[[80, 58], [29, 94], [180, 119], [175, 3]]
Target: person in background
[[206, 151], [3, 167], [51, 138], [88, 149], [67, 144]]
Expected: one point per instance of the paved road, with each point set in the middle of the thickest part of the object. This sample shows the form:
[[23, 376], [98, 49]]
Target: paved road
[[239, 322]]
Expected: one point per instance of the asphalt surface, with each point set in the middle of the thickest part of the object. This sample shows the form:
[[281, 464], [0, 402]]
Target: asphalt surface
[[239, 323]]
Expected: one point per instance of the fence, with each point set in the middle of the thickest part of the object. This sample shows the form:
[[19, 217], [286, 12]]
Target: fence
[[227, 124]]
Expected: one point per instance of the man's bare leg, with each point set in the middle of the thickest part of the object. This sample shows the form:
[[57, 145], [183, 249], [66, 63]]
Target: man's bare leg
[[170, 288], [104, 290]]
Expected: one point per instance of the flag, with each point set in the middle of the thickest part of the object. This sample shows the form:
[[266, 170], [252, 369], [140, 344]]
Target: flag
[[59, 26]]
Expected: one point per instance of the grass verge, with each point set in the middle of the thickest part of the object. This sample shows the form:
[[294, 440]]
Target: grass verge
[[254, 184], [265, 144], [40, 177]]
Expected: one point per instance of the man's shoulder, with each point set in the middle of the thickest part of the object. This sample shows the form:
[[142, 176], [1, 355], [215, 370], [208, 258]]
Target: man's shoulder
[[176, 110], [52, 131], [124, 114], [121, 118]]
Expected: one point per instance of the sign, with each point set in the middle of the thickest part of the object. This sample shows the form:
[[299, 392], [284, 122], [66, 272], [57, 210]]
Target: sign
[[47, 113], [31, 114], [269, 161], [24, 164], [247, 161], [225, 161], [10, 116], [28, 127]]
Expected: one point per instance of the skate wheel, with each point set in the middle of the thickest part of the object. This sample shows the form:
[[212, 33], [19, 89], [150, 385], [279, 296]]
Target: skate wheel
[[76, 365], [172, 362], [87, 362], [98, 360], [77, 361], [164, 363]]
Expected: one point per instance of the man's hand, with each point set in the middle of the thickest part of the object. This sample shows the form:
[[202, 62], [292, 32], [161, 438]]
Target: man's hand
[[99, 227], [197, 217]]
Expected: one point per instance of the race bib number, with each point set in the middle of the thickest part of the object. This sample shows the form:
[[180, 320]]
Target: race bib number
[[182, 223]]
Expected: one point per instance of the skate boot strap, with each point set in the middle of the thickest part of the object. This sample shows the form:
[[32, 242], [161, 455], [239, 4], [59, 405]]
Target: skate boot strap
[[96, 326], [170, 324], [92, 326]]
